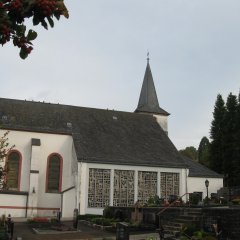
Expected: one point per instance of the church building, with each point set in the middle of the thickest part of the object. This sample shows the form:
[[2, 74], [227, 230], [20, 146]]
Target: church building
[[67, 157]]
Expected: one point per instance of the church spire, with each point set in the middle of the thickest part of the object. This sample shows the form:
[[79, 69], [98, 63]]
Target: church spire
[[148, 101]]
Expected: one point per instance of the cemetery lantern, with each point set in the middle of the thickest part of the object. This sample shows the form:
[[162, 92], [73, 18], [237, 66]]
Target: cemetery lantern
[[207, 185]]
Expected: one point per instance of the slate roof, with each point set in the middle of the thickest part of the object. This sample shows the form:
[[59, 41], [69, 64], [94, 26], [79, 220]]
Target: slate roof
[[198, 170], [148, 101], [100, 136]]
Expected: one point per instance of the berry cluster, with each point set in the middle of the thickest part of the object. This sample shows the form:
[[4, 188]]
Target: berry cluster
[[23, 44], [46, 7], [14, 12], [15, 5]]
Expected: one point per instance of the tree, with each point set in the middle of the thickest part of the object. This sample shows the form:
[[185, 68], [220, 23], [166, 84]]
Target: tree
[[230, 155], [13, 14], [216, 134], [190, 152], [238, 138], [203, 152], [4, 149]]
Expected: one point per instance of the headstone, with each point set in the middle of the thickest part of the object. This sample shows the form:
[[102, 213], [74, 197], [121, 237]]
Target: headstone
[[122, 232], [59, 215]]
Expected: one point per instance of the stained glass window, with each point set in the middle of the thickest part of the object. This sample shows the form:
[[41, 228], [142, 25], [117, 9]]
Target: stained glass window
[[147, 186], [13, 171], [123, 188], [169, 184], [99, 187], [54, 173]]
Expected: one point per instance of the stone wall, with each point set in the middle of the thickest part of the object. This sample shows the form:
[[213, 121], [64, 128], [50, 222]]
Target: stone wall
[[230, 219]]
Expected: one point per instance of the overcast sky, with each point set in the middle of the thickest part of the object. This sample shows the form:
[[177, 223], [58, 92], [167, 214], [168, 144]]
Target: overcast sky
[[97, 58]]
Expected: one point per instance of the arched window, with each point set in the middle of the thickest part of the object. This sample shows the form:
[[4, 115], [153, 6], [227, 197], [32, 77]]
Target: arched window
[[54, 173], [14, 164]]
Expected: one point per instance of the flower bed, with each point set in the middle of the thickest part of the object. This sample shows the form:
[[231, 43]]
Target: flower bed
[[39, 224]]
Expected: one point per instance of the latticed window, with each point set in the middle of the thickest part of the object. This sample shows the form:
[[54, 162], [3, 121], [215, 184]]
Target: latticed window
[[169, 184], [147, 186], [123, 188], [54, 173], [99, 187], [13, 170]]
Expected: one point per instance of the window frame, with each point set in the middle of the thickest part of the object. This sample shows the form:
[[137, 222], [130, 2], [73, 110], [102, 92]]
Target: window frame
[[60, 173]]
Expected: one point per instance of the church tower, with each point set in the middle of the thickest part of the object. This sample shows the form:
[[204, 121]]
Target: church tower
[[148, 101]]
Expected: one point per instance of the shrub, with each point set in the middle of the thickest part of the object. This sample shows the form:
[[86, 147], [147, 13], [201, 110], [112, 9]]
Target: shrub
[[108, 212], [118, 214], [154, 201], [236, 201], [3, 220], [102, 221], [88, 217], [189, 229]]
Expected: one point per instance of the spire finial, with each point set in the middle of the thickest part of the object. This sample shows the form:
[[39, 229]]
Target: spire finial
[[148, 57]]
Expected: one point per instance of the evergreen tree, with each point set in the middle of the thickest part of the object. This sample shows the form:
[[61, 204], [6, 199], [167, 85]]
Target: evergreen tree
[[230, 160], [203, 152], [238, 140], [216, 134]]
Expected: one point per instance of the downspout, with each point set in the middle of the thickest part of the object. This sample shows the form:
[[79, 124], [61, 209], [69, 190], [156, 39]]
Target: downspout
[[186, 170], [80, 185], [26, 206]]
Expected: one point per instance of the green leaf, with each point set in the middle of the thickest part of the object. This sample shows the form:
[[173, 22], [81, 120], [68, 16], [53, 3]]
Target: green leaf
[[31, 35], [57, 15], [36, 20], [44, 24], [20, 29], [23, 53], [50, 21]]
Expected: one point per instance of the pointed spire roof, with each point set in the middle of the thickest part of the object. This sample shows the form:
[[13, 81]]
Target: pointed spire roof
[[148, 101]]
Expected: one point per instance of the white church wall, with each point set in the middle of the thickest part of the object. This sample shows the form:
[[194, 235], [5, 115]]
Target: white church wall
[[84, 172], [162, 121], [68, 203], [197, 184], [13, 204], [46, 203]]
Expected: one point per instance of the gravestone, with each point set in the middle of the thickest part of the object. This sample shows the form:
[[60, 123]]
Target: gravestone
[[122, 232]]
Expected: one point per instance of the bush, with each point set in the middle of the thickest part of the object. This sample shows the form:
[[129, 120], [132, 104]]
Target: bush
[[236, 201], [102, 221], [154, 201], [189, 229], [108, 212], [2, 221], [88, 217], [118, 214], [3, 234]]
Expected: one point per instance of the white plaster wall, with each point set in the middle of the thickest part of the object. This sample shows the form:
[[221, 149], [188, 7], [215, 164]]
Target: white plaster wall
[[196, 184], [8, 203], [162, 121], [68, 203], [84, 209], [50, 143]]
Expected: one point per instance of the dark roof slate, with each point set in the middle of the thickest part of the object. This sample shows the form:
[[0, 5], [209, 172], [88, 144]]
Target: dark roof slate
[[198, 170], [148, 101], [100, 136]]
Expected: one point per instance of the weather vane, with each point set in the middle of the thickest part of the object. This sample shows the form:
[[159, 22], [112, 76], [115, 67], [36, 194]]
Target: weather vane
[[148, 56]]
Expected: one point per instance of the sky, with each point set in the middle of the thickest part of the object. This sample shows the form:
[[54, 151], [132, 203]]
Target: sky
[[97, 58]]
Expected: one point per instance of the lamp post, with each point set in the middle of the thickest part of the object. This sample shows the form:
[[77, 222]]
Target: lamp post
[[207, 184]]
